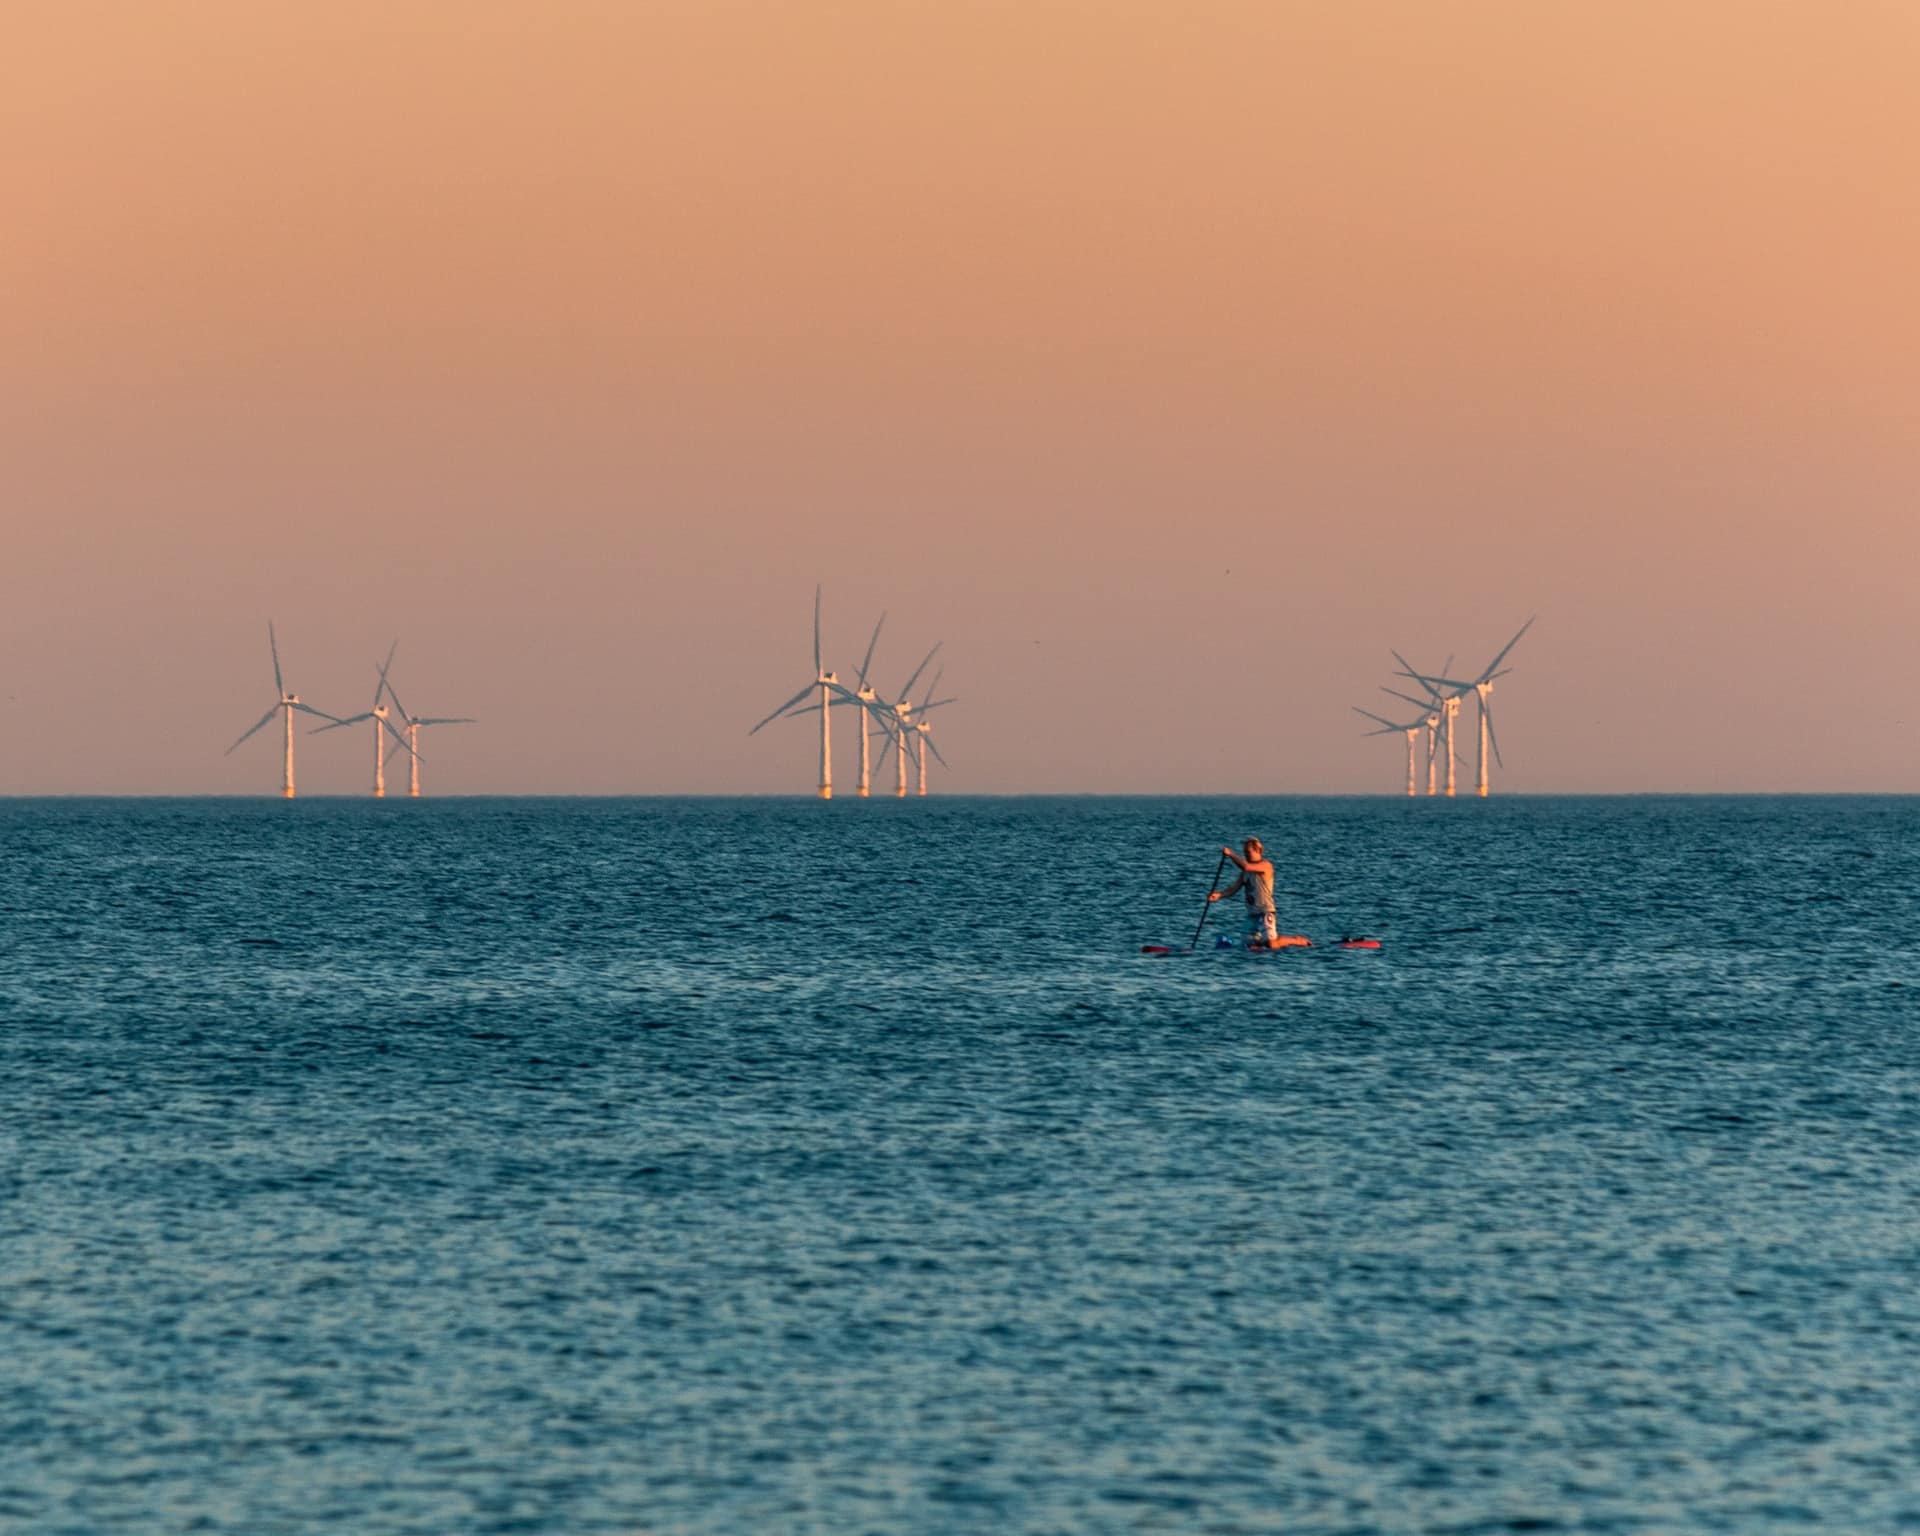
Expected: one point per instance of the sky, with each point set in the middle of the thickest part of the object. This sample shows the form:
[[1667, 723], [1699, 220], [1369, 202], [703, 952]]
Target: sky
[[1167, 363]]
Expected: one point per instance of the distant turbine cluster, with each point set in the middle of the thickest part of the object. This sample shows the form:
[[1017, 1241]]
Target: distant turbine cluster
[[1438, 709], [406, 735], [902, 724]]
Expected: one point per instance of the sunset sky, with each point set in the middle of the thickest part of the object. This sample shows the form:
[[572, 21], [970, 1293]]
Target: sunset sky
[[1168, 362]]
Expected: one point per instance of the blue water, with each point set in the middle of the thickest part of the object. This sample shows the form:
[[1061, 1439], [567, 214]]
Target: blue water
[[765, 1166]]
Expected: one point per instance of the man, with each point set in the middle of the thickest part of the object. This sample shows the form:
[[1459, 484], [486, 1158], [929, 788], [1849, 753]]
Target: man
[[1256, 879]]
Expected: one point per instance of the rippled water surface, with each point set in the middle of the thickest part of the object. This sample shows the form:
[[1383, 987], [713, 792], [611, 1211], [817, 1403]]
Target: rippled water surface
[[766, 1166]]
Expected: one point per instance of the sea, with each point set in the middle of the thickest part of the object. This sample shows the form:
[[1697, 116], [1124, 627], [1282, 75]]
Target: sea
[[772, 1166]]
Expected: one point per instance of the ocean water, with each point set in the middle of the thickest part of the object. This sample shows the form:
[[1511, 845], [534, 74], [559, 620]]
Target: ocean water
[[770, 1166]]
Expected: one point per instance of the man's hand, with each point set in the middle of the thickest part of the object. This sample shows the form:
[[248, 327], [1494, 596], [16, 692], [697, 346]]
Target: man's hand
[[1213, 896], [1228, 853]]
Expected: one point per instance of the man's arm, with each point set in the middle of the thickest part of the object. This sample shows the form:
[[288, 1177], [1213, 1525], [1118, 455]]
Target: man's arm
[[1238, 862], [1233, 889]]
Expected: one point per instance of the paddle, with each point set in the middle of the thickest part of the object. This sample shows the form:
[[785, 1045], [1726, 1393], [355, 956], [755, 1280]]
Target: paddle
[[1209, 906], [1162, 949]]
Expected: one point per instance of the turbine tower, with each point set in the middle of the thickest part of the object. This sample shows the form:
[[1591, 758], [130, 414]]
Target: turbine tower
[[1450, 708], [829, 684], [1481, 688], [923, 728], [381, 724], [1411, 732], [288, 703], [410, 738]]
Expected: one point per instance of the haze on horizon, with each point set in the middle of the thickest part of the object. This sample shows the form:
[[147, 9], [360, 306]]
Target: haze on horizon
[[1168, 363]]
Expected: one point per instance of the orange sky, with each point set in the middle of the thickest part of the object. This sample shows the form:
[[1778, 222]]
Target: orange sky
[[1169, 362]]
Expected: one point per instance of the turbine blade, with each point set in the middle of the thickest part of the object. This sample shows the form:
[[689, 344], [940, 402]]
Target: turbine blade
[[1493, 736], [273, 644], [252, 728], [885, 747], [927, 737], [867, 661], [1409, 698], [1494, 665], [1407, 670], [383, 675], [798, 698], [447, 720], [907, 692], [816, 629], [350, 720], [308, 709], [392, 730], [933, 687], [393, 694]]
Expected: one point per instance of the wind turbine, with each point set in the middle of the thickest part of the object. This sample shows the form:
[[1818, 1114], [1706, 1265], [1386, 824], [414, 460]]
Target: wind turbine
[[829, 684], [289, 702], [909, 716], [378, 715], [897, 720], [1481, 688], [410, 739], [923, 729], [868, 699], [1435, 709], [1440, 708], [1388, 727]]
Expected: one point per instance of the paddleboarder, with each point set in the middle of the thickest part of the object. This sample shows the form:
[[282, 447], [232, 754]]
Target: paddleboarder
[[1256, 880]]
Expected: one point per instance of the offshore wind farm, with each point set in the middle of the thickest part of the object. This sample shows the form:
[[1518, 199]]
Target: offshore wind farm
[[405, 736], [901, 724], [1439, 709], [904, 728]]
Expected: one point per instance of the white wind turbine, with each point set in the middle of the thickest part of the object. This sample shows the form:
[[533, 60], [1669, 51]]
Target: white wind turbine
[[410, 738], [1438, 709], [289, 702], [897, 720], [829, 684], [1388, 727], [868, 699], [871, 706], [911, 717], [1481, 688], [381, 723]]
